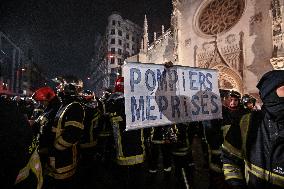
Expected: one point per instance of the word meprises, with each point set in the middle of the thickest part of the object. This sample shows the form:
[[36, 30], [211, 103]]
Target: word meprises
[[145, 107]]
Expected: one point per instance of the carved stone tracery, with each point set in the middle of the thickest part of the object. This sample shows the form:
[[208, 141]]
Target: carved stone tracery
[[257, 18], [227, 59], [219, 16], [228, 56], [228, 79], [277, 63], [277, 59], [232, 56]]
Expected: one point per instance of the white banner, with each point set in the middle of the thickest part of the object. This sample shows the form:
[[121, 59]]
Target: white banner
[[155, 95]]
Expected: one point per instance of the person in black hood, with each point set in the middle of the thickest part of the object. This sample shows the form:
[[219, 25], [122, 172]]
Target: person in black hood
[[271, 94], [253, 151]]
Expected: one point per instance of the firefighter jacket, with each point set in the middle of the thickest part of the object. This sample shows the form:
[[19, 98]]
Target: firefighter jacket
[[66, 133], [20, 162], [234, 115], [44, 123], [215, 131], [129, 145], [253, 152], [105, 127], [91, 126]]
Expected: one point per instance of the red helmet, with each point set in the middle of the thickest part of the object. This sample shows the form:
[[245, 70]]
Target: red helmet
[[43, 93], [119, 84]]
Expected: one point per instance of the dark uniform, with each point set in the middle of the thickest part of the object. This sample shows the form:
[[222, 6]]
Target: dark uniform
[[20, 163], [66, 132], [129, 145], [87, 168], [253, 149], [182, 156], [43, 127], [215, 131], [105, 143], [91, 124], [162, 139]]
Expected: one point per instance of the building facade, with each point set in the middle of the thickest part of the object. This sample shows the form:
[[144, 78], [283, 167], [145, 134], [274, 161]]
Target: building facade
[[19, 74], [120, 41], [123, 40], [242, 39], [99, 66]]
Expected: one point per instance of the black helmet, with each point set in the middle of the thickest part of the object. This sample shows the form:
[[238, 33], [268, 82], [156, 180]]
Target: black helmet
[[236, 94], [87, 92], [106, 94], [224, 93], [248, 99], [88, 95]]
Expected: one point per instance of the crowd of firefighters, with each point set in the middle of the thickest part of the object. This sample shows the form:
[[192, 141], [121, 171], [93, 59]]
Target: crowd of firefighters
[[54, 142]]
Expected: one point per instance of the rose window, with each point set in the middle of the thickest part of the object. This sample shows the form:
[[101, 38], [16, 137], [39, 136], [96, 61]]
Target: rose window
[[220, 15]]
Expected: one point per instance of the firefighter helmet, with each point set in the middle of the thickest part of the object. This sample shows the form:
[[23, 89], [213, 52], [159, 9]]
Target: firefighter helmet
[[43, 94], [248, 99], [236, 94], [224, 93]]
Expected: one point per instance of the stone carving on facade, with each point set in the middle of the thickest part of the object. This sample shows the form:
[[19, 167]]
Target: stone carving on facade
[[230, 39], [219, 16], [160, 40], [179, 4], [204, 56], [257, 18], [174, 31], [227, 59], [187, 42], [210, 56], [277, 63], [226, 81], [229, 79], [224, 54], [277, 30], [208, 46], [231, 54], [150, 57]]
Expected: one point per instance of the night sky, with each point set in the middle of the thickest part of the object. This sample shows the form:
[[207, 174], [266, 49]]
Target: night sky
[[62, 33]]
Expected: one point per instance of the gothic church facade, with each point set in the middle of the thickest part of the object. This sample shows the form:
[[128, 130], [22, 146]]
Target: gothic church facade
[[242, 39]]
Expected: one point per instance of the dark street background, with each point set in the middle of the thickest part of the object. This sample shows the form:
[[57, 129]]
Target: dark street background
[[60, 35], [107, 176]]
